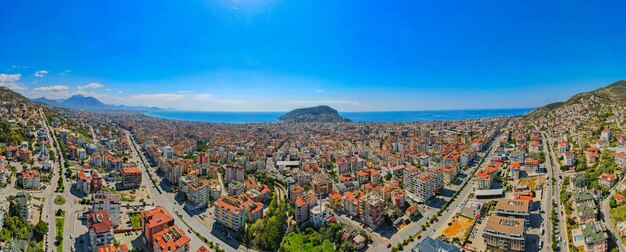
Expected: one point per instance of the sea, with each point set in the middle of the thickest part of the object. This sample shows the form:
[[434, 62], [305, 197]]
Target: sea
[[386, 116]]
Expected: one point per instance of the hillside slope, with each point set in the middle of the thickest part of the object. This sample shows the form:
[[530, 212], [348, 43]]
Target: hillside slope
[[6, 94], [611, 96]]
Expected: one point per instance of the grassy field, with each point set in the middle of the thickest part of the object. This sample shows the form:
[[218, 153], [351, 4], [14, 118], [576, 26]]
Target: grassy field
[[299, 242], [60, 223], [126, 198], [59, 200], [135, 218], [619, 213]]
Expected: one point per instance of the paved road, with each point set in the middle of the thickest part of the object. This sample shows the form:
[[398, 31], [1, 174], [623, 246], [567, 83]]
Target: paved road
[[73, 228], [546, 203], [454, 205], [557, 190], [413, 227], [609, 222], [49, 206], [167, 200]]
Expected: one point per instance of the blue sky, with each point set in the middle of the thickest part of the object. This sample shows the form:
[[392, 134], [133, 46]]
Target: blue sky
[[270, 55]]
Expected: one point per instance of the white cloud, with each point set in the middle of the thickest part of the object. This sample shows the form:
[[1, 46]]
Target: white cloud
[[201, 97], [92, 85], [41, 73], [319, 91], [158, 97], [67, 71], [9, 77], [11, 81], [54, 88]]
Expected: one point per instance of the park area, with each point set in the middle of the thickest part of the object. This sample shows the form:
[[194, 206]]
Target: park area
[[458, 228], [619, 213], [300, 242]]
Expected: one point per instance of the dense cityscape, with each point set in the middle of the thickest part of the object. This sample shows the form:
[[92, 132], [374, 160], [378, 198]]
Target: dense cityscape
[[82, 180], [312, 126]]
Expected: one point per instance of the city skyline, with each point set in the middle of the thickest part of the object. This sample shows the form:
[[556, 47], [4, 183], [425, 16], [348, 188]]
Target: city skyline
[[276, 56]]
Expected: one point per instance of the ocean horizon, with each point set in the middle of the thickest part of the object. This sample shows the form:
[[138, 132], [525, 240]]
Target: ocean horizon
[[377, 116]]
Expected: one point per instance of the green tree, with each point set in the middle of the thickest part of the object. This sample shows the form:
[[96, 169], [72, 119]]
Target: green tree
[[612, 203], [40, 230]]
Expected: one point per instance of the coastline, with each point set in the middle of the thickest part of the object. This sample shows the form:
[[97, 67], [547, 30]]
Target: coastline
[[358, 117]]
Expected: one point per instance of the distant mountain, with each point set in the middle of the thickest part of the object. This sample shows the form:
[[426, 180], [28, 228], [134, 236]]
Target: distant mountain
[[89, 103], [46, 101], [321, 113], [83, 102], [611, 96]]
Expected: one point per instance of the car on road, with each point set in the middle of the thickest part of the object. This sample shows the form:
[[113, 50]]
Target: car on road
[[388, 245]]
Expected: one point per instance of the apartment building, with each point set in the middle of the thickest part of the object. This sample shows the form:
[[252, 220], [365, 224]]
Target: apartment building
[[321, 183], [303, 207], [504, 234], [513, 208], [171, 239], [449, 174], [230, 212], [437, 175], [24, 203], [484, 180], [196, 190], [595, 236], [88, 181], [131, 177], [373, 209], [109, 202], [235, 173], [173, 171], [100, 229], [418, 185], [154, 221]]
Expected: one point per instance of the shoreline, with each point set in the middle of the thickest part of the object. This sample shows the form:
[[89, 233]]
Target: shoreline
[[221, 117]]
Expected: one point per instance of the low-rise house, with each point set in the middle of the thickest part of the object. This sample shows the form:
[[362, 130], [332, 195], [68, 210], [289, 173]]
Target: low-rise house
[[472, 209], [607, 180], [30, 179], [620, 159], [621, 228]]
